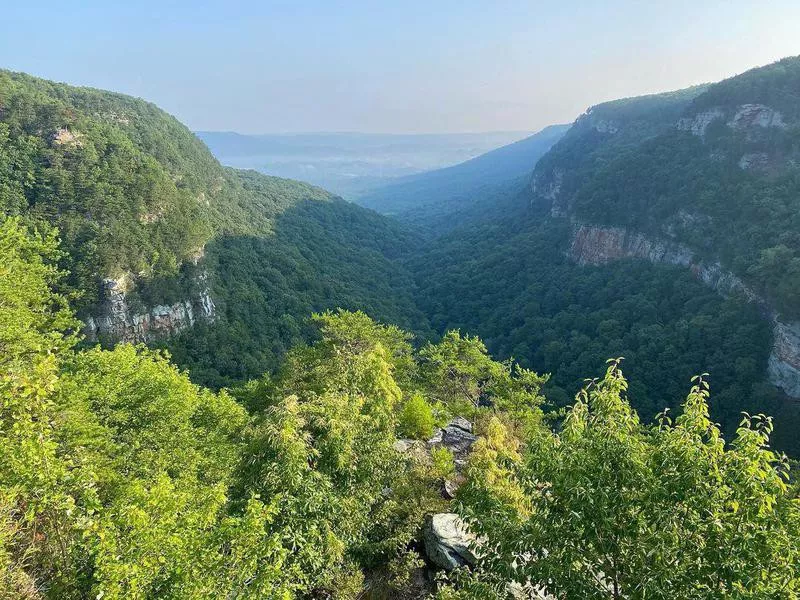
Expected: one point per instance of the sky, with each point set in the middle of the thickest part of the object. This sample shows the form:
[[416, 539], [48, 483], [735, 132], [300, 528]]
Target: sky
[[391, 66]]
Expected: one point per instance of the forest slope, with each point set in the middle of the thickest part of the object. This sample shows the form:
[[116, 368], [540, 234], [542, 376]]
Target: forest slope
[[650, 224], [223, 266], [144, 211], [440, 200]]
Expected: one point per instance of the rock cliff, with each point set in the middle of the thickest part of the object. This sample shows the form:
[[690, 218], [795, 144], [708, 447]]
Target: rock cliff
[[595, 245], [116, 320], [745, 118]]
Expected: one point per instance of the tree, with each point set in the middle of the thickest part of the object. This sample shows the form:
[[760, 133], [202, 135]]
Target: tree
[[416, 418], [615, 509], [35, 327]]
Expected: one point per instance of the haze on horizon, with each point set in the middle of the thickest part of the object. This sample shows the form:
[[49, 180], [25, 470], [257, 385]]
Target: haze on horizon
[[410, 67]]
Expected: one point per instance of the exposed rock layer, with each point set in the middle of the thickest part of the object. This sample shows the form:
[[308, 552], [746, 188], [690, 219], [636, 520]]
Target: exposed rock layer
[[118, 322]]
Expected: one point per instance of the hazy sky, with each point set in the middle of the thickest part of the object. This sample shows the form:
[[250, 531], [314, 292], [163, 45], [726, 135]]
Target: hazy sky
[[391, 65]]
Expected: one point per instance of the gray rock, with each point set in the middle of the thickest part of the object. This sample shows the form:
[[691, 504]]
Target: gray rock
[[784, 362], [451, 485], [698, 123], [448, 542], [749, 116], [116, 319], [461, 423], [456, 439]]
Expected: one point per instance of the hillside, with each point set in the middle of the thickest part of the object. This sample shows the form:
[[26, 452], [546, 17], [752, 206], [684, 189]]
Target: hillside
[[222, 267], [440, 200], [661, 229], [152, 226], [716, 189], [351, 472], [721, 177], [272, 453]]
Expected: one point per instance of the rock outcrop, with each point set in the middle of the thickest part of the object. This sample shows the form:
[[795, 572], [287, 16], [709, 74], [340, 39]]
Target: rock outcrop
[[749, 116], [605, 126], [549, 188], [450, 545], [784, 361], [600, 245], [594, 245], [448, 542], [118, 322], [746, 118], [700, 122], [457, 437], [66, 137]]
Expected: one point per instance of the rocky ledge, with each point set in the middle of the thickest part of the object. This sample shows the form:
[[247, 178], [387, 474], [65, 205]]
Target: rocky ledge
[[117, 321], [448, 542], [747, 117]]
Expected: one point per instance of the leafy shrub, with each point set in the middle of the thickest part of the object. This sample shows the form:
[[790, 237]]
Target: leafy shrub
[[416, 418]]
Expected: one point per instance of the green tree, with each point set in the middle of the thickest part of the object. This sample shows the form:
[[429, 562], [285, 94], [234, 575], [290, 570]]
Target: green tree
[[416, 418], [614, 509], [35, 327]]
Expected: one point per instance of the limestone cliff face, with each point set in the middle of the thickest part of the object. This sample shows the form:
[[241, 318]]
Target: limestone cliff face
[[595, 245], [117, 321], [549, 188], [784, 362], [746, 117]]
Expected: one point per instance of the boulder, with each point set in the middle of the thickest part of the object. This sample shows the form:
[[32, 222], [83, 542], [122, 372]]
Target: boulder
[[448, 542], [456, 436], [461, 423]]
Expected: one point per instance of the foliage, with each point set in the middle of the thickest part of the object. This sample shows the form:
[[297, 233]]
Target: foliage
[[34, 332], [137, 197], [562, 318], [320, 256], [609, 508], [416, 418], [653, 177], [123, 479]]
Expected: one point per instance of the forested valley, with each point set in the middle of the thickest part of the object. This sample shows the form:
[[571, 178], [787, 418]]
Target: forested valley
[[219, 384]]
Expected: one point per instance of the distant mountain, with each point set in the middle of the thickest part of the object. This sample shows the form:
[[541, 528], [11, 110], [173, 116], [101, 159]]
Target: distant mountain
[[350, 163], [164, 245], [442, 198]]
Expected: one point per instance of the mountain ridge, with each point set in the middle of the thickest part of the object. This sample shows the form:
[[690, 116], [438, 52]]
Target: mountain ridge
[[439, 199]]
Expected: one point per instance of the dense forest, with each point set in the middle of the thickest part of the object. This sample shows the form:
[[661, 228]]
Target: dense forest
[[331, 425], [137, 197], [120, 478], [564, 319], [724, 181]]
